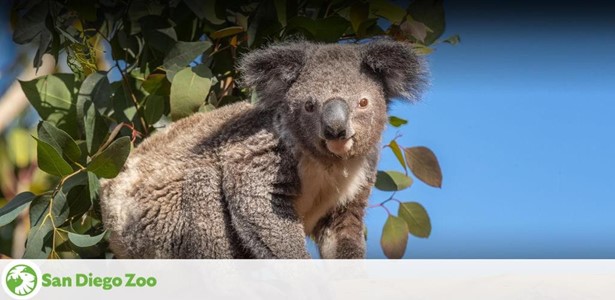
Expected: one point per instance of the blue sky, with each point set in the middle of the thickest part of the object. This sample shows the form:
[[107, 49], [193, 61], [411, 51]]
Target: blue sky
[[521, 115]]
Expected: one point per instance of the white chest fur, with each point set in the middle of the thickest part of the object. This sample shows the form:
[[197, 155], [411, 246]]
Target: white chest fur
[[325, 187]]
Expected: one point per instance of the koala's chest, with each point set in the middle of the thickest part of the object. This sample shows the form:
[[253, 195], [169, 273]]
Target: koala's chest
[[323, 188]]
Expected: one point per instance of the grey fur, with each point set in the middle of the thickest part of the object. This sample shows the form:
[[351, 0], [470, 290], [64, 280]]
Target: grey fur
[[251, 181]]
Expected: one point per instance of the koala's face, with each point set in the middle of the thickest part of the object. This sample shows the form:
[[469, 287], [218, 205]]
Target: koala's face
[[333, 98], [336, 109]]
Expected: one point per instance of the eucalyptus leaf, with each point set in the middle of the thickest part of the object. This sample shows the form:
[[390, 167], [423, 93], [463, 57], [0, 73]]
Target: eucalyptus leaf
[[182, 54], [397, 151], [52, 97], [50, 160], [109, 162], [189, 90], [59, 140], [424, 165], [13, 208], [391, 181], [84, 240], [394, 237], [416, 217], [397, 122]]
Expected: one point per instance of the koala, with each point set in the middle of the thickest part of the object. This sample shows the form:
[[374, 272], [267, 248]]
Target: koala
[[253, 180]]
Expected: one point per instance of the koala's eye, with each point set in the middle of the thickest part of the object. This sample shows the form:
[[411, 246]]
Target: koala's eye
[[363, 102], [309, 106]]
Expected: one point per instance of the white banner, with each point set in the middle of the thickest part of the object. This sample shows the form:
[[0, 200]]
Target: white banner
[[317, 279]]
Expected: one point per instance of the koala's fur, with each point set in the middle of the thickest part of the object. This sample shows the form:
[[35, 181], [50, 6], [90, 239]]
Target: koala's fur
[[251, 181]]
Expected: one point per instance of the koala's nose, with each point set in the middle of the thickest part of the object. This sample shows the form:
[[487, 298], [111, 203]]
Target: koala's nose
[[335, 119]]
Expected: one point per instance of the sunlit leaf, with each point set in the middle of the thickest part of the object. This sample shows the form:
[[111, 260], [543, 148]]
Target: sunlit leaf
[[424, 165], [52, 97], [84, 240], [229, 31], [189, 89], [394, 237], [97, 89], [392, 181], [182, 54], [157, 84], [397, 122], [397, 151], [416, 217]]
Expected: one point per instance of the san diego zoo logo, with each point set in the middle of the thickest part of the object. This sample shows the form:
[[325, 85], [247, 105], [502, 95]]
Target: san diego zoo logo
[[21, 279]]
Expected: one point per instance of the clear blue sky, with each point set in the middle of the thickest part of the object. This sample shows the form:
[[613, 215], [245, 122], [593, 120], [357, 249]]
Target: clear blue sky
[[522, 117]]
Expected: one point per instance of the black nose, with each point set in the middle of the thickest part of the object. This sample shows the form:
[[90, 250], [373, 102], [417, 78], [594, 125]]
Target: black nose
[[335, 119]]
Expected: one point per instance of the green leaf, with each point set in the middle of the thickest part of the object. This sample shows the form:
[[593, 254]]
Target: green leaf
[[78, 201], [96, 128], [327, 30], [59, 140], [84, 240], [157, 84], [394, 237], [397, 122], [417, 219], [13, 208], [52, 97], [38, 245], [108, 163], [453, 40], [204, 10], [388, 10], [189, 89], [358, 14], [97, 89], [424, 165], [280, 8], [50, 160], [415, 29], [397, 151], [390, 181], [42, 219], [93, 186], [182, 54], [430, 13], [154, 108]]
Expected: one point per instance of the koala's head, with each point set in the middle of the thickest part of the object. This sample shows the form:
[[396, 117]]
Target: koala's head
[[332, 99]]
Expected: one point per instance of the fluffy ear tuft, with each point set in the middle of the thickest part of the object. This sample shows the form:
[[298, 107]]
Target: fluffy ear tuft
[[270, 71], [396, 65]]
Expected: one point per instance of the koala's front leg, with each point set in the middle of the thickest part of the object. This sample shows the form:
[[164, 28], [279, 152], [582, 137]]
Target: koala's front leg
[[341, 234], [262, 211]]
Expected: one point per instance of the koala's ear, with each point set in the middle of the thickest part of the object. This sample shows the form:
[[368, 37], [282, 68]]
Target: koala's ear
[[402, 73], [271, 71]]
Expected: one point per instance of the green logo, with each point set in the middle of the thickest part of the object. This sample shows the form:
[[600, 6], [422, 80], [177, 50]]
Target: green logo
[[21, 280]]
